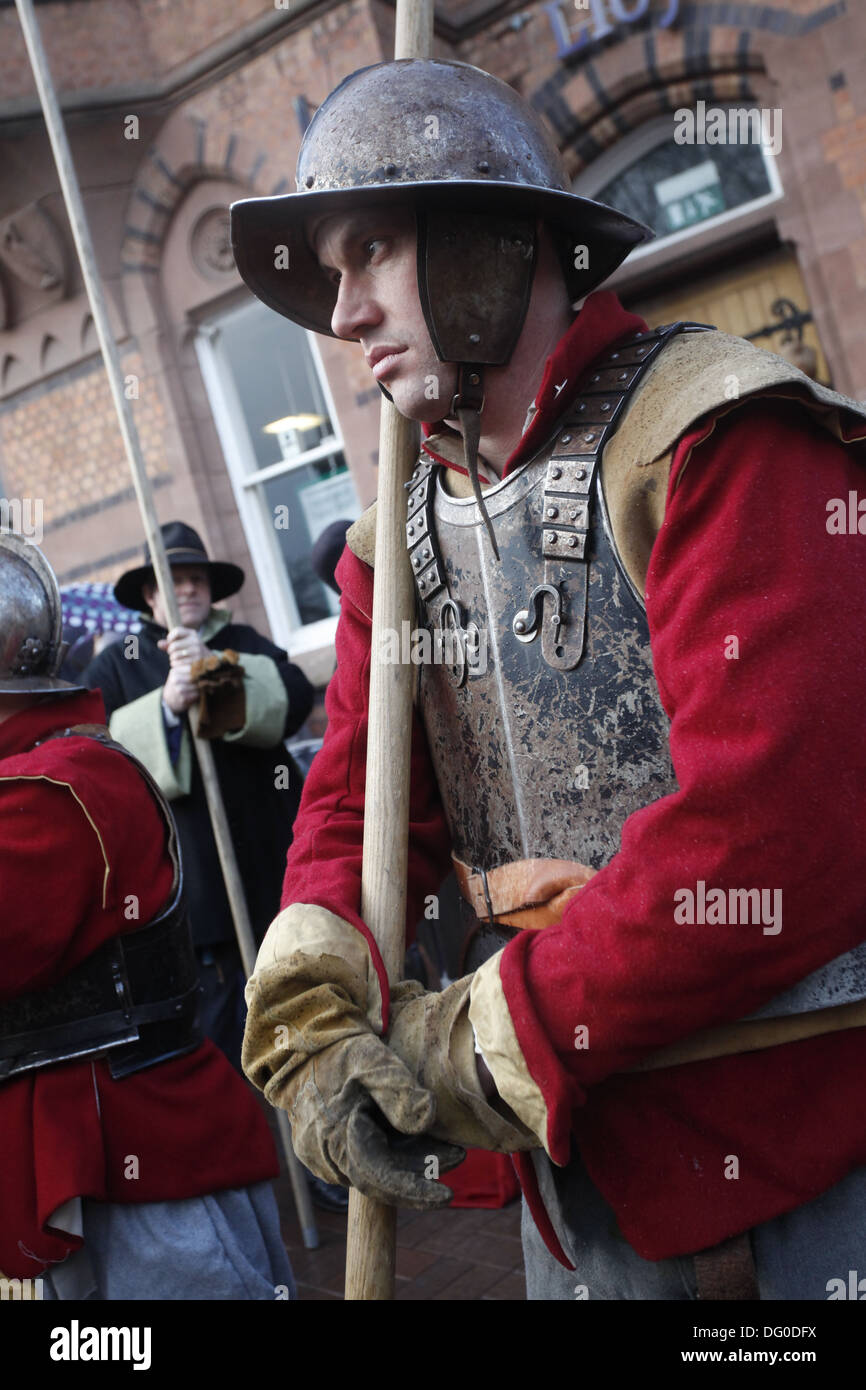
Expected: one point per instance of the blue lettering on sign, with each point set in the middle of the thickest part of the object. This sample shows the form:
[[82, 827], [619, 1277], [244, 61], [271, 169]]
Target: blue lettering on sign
[[595, 24]]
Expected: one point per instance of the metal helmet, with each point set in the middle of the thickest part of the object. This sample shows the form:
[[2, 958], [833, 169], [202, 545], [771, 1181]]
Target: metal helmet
[[31, 646], [477, 166], [445, 137]]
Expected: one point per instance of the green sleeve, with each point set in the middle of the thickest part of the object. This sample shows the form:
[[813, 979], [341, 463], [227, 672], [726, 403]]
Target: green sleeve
[[267, 704], [139, 727]]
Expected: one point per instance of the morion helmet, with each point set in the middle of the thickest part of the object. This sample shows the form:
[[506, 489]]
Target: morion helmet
[[31, 646], [445, 137], [479, 169]]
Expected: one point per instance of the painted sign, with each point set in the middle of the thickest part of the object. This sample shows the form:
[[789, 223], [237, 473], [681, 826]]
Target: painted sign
[[691, 196], [578, 23]]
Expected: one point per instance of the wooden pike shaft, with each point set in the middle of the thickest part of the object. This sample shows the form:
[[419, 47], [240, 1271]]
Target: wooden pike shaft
[[372, 1233], [162, 569]]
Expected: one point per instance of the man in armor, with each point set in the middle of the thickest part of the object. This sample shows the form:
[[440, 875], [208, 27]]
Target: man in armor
[[648, 789], [135, 1162]]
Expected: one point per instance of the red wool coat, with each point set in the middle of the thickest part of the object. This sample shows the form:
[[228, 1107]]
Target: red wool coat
[[79, 834], [771, 766]]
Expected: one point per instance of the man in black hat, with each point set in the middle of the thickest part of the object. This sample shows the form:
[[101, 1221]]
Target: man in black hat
[[148, 683]]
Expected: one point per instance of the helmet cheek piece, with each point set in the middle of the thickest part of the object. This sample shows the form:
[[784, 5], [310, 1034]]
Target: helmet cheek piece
[[475, 273]]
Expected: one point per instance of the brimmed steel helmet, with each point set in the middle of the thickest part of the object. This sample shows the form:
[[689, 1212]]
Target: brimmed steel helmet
[[31, 645], [477, 166], [445, 137]]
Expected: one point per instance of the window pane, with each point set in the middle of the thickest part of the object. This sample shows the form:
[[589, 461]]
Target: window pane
[[313, 496], [282, 402], [677, 186]]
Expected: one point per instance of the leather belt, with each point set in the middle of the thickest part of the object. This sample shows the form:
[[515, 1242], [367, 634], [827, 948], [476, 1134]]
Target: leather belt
[[532, 893], [529, 893], [727, 1271]]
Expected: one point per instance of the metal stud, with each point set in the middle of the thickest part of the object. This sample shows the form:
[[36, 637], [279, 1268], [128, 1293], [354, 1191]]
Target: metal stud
[[566, 439], [605, 405], [556, 472], [551, 538], [390, 170], [553, 512], [588, 438], [580, 474], [572, 541]]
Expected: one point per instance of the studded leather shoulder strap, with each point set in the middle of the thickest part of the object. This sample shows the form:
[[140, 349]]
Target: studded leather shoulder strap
[[602, 395]]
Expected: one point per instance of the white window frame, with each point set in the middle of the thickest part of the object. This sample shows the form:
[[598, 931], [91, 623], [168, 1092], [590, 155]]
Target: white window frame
[[245, 476], [725, 228]]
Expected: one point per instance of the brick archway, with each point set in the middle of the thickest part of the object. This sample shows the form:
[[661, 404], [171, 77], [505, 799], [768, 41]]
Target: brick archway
[[594, 103], [185, 153]]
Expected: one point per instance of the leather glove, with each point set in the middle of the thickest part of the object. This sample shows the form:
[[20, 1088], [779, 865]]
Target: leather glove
[[431, 1032], [222, 703], [310, 1047]]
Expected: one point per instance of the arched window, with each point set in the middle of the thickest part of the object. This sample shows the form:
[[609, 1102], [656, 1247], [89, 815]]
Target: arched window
[[700, 193]]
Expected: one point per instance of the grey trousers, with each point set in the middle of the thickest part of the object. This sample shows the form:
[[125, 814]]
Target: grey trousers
[[225, 1245], [797, 1256]]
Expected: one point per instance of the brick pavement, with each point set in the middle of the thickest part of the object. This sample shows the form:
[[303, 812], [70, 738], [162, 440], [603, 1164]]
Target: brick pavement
[[444, 1255]]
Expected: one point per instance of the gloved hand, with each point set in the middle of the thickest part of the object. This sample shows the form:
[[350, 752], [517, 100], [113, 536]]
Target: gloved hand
[[358, 1118], [432, 1034], [311, 1048]]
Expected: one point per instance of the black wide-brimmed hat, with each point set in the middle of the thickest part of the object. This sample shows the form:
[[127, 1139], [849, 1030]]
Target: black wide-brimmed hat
[[183, 546]]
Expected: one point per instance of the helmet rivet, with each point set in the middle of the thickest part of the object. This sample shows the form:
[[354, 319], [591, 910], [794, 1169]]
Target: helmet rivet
[[310, 180], [390, 170], [566, 439], [572, 541], [474, 378], [475, 337], [551, 538], [483, 167], [553, 512], [556, 472]]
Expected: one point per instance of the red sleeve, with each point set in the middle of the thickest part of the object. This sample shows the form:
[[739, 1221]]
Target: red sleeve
[[324, 861], [769, 757]]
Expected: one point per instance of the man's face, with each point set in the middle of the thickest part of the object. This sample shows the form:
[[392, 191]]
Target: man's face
[[192, 586], [370, 255]]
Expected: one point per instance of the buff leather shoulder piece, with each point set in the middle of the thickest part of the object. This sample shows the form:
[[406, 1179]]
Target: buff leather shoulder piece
[[361, 535], [696, 375]]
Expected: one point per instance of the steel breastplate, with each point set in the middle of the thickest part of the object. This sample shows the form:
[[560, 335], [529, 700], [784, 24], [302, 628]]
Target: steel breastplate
[[534, 761], [539, 700]]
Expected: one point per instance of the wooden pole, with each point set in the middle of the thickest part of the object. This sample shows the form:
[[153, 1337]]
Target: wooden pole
[[111, 357], [372, 1233]]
